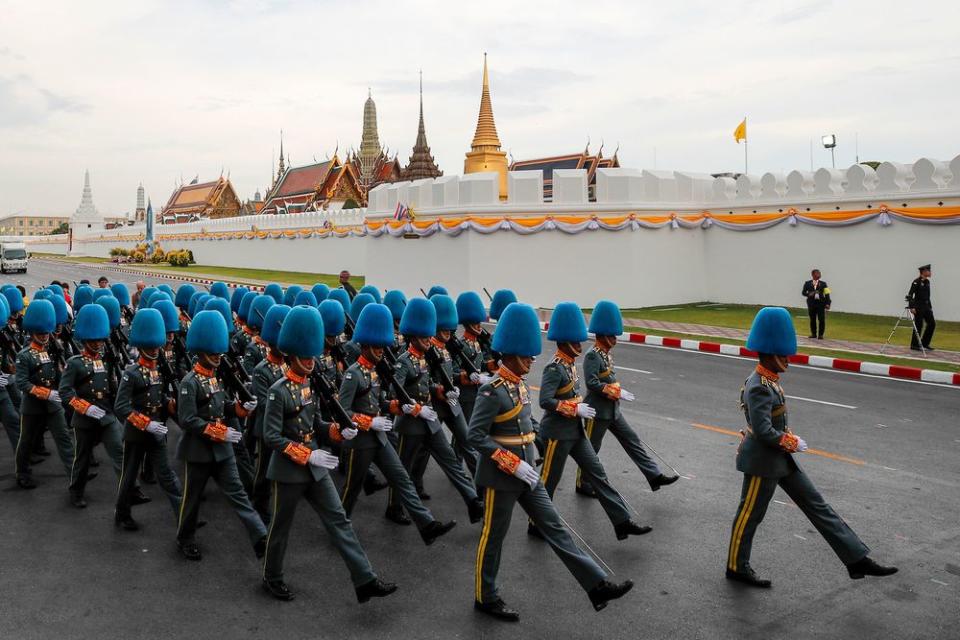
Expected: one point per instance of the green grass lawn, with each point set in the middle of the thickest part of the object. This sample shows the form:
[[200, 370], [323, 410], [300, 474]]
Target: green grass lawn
[[850, 355], [840, 326]]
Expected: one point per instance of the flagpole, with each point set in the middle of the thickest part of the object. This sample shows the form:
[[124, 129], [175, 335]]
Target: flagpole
[[745, 165]]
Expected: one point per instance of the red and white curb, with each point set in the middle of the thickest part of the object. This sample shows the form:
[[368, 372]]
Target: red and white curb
[[824, 362], [159, 274]]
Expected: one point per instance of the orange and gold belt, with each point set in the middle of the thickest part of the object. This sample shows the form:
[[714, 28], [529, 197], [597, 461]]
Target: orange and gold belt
[[515, 441]]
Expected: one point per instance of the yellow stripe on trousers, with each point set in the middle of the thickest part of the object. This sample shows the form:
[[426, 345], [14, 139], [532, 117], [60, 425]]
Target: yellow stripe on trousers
[[346, 485], [588, 426], [741, 524], [484, 537], [548, 460], [183, 498], [273, 521]]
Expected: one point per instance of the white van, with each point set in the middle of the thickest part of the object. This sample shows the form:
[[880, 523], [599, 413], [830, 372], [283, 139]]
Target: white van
[[13, 257]]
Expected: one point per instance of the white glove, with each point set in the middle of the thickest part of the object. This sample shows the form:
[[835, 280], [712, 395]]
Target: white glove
[[233, 436], [349, 433], [4, 379], [54, 396], [250, 405], [321, 458], [427, 413], [95, 412], [475, 378], [408, 408], [382, 423], [156, 428], [485, 378], [452, 396], [528, 474], [801, 445], [585, 411], [627, 396]]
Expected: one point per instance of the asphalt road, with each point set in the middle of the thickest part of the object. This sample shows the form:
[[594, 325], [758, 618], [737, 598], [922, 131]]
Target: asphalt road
[[888, 464]]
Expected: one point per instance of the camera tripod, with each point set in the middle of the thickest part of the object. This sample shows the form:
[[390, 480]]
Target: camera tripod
[[905, 315]]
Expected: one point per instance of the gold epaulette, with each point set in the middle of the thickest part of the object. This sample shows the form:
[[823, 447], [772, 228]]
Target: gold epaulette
[[496, 383]]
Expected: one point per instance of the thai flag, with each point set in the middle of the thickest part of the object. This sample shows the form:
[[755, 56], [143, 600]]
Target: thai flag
[[402, 212]]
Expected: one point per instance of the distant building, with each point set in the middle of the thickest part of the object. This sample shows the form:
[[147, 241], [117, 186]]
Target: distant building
[[30, 224], [201, 201], [485, 153], [583, 160], [421, 165], [140, 215], [373, 164], [253, 206], [330, 184]]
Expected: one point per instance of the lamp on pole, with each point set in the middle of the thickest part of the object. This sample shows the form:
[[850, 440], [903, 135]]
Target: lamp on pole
[[830, 142]]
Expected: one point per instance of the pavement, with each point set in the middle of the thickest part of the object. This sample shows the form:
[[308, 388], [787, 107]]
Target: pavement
[[886, 459]]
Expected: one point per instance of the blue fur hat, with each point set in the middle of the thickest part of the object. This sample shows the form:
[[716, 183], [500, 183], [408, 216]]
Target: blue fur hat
[[372, 290], [184, 294], [419, 319], [290, 295], [148, 329], [302, 333], [567, 324], [272, 323], [14, 298], [43, 294], [201, 302], [341, 296], [221, 306], [158, 296], [102, 293], [82, 296], [192, 304], [437, 290], [470, 308], [40, 317], [501, 299], [145, 296], [518, 331], [220, 290], [605, 320], [60, 307], [275, 291], [375, 326], [121, 293], [112, 307], [320, 291], [171, 317], [246, 303], [396, 302], [237, 298], [305, 298], [334, 318], [359, 302], [772, 332], [446, 311], [258, 310], [167, 289], [4, 311], [208, 333], [92, 323], [57, 289]]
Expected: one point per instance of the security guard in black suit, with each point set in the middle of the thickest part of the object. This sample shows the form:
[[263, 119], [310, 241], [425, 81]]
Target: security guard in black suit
[[817, 293], [918, 299]]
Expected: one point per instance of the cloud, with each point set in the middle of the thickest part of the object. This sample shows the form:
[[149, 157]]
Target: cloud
[[7, 52], [523, 81], [802, 11], [23, 103]]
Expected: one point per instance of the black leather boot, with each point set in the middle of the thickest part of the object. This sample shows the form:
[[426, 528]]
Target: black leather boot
[[376, 588], [606, 591]]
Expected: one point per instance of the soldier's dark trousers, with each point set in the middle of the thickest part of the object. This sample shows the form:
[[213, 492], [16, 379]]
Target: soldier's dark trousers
[[442, 452], [457, 424], [628, 439], [322, 496], [224, 473], [10, 418], [756, 495], [111, 435], [818, 316], [555, 458], [386, 458], [134, 454], [241, 454], [260, 494], [33, 423], [926, 325], [498, 509]]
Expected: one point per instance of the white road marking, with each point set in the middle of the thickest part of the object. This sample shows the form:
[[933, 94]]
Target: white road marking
[[831, 404], [635, 370], [890, 469], [940, 582], [883, 426], [797, 535]]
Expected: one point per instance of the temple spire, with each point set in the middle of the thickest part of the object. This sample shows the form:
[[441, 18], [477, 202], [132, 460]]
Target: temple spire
[[371, 153], [486, 134], [422, 163], [281, 168]]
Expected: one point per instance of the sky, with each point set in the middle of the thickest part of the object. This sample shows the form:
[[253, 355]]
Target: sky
[[158, 91]]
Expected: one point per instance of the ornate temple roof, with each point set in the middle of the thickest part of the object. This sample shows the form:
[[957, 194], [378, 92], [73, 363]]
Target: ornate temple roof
[[312, 186], [196, 200], [581, 160], [422, 163], [485, 136]]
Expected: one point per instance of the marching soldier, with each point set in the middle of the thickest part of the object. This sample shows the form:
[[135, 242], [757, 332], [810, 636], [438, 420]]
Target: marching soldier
[[604, 394], [256, 349], [419, 426], [271, 369], [351, 350], [9, 415], [501, 430], [363, 398], [396, 302], [918, 300], [241, 337], [299, 468], [766, 461], [37, 380], [86, 388], [206, 442], [185, 293], [562, 425], [471, 314], [144, 405]]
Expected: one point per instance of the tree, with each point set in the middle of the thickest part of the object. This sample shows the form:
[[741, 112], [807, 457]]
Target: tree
[[63, 227]]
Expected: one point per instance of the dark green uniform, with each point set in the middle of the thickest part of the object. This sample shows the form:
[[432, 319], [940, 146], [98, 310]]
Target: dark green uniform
[[766, 464], [452, 416], [289, 420], [35, 368], [202, 403], [468, 389], [598, 372], [564, 436], [501, 423], [254, 354], [351, 351], [86, 381], [264, 376]]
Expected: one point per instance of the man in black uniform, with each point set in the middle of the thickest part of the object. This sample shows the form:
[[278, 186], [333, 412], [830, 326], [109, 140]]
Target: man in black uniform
[[817, 293], [918, 299]]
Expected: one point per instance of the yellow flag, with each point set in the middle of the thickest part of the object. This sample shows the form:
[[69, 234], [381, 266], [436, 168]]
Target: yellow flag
[[740, 133]]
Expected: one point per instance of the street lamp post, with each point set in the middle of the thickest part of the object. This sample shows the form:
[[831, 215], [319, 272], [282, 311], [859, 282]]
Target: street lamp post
[[830, 142]]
